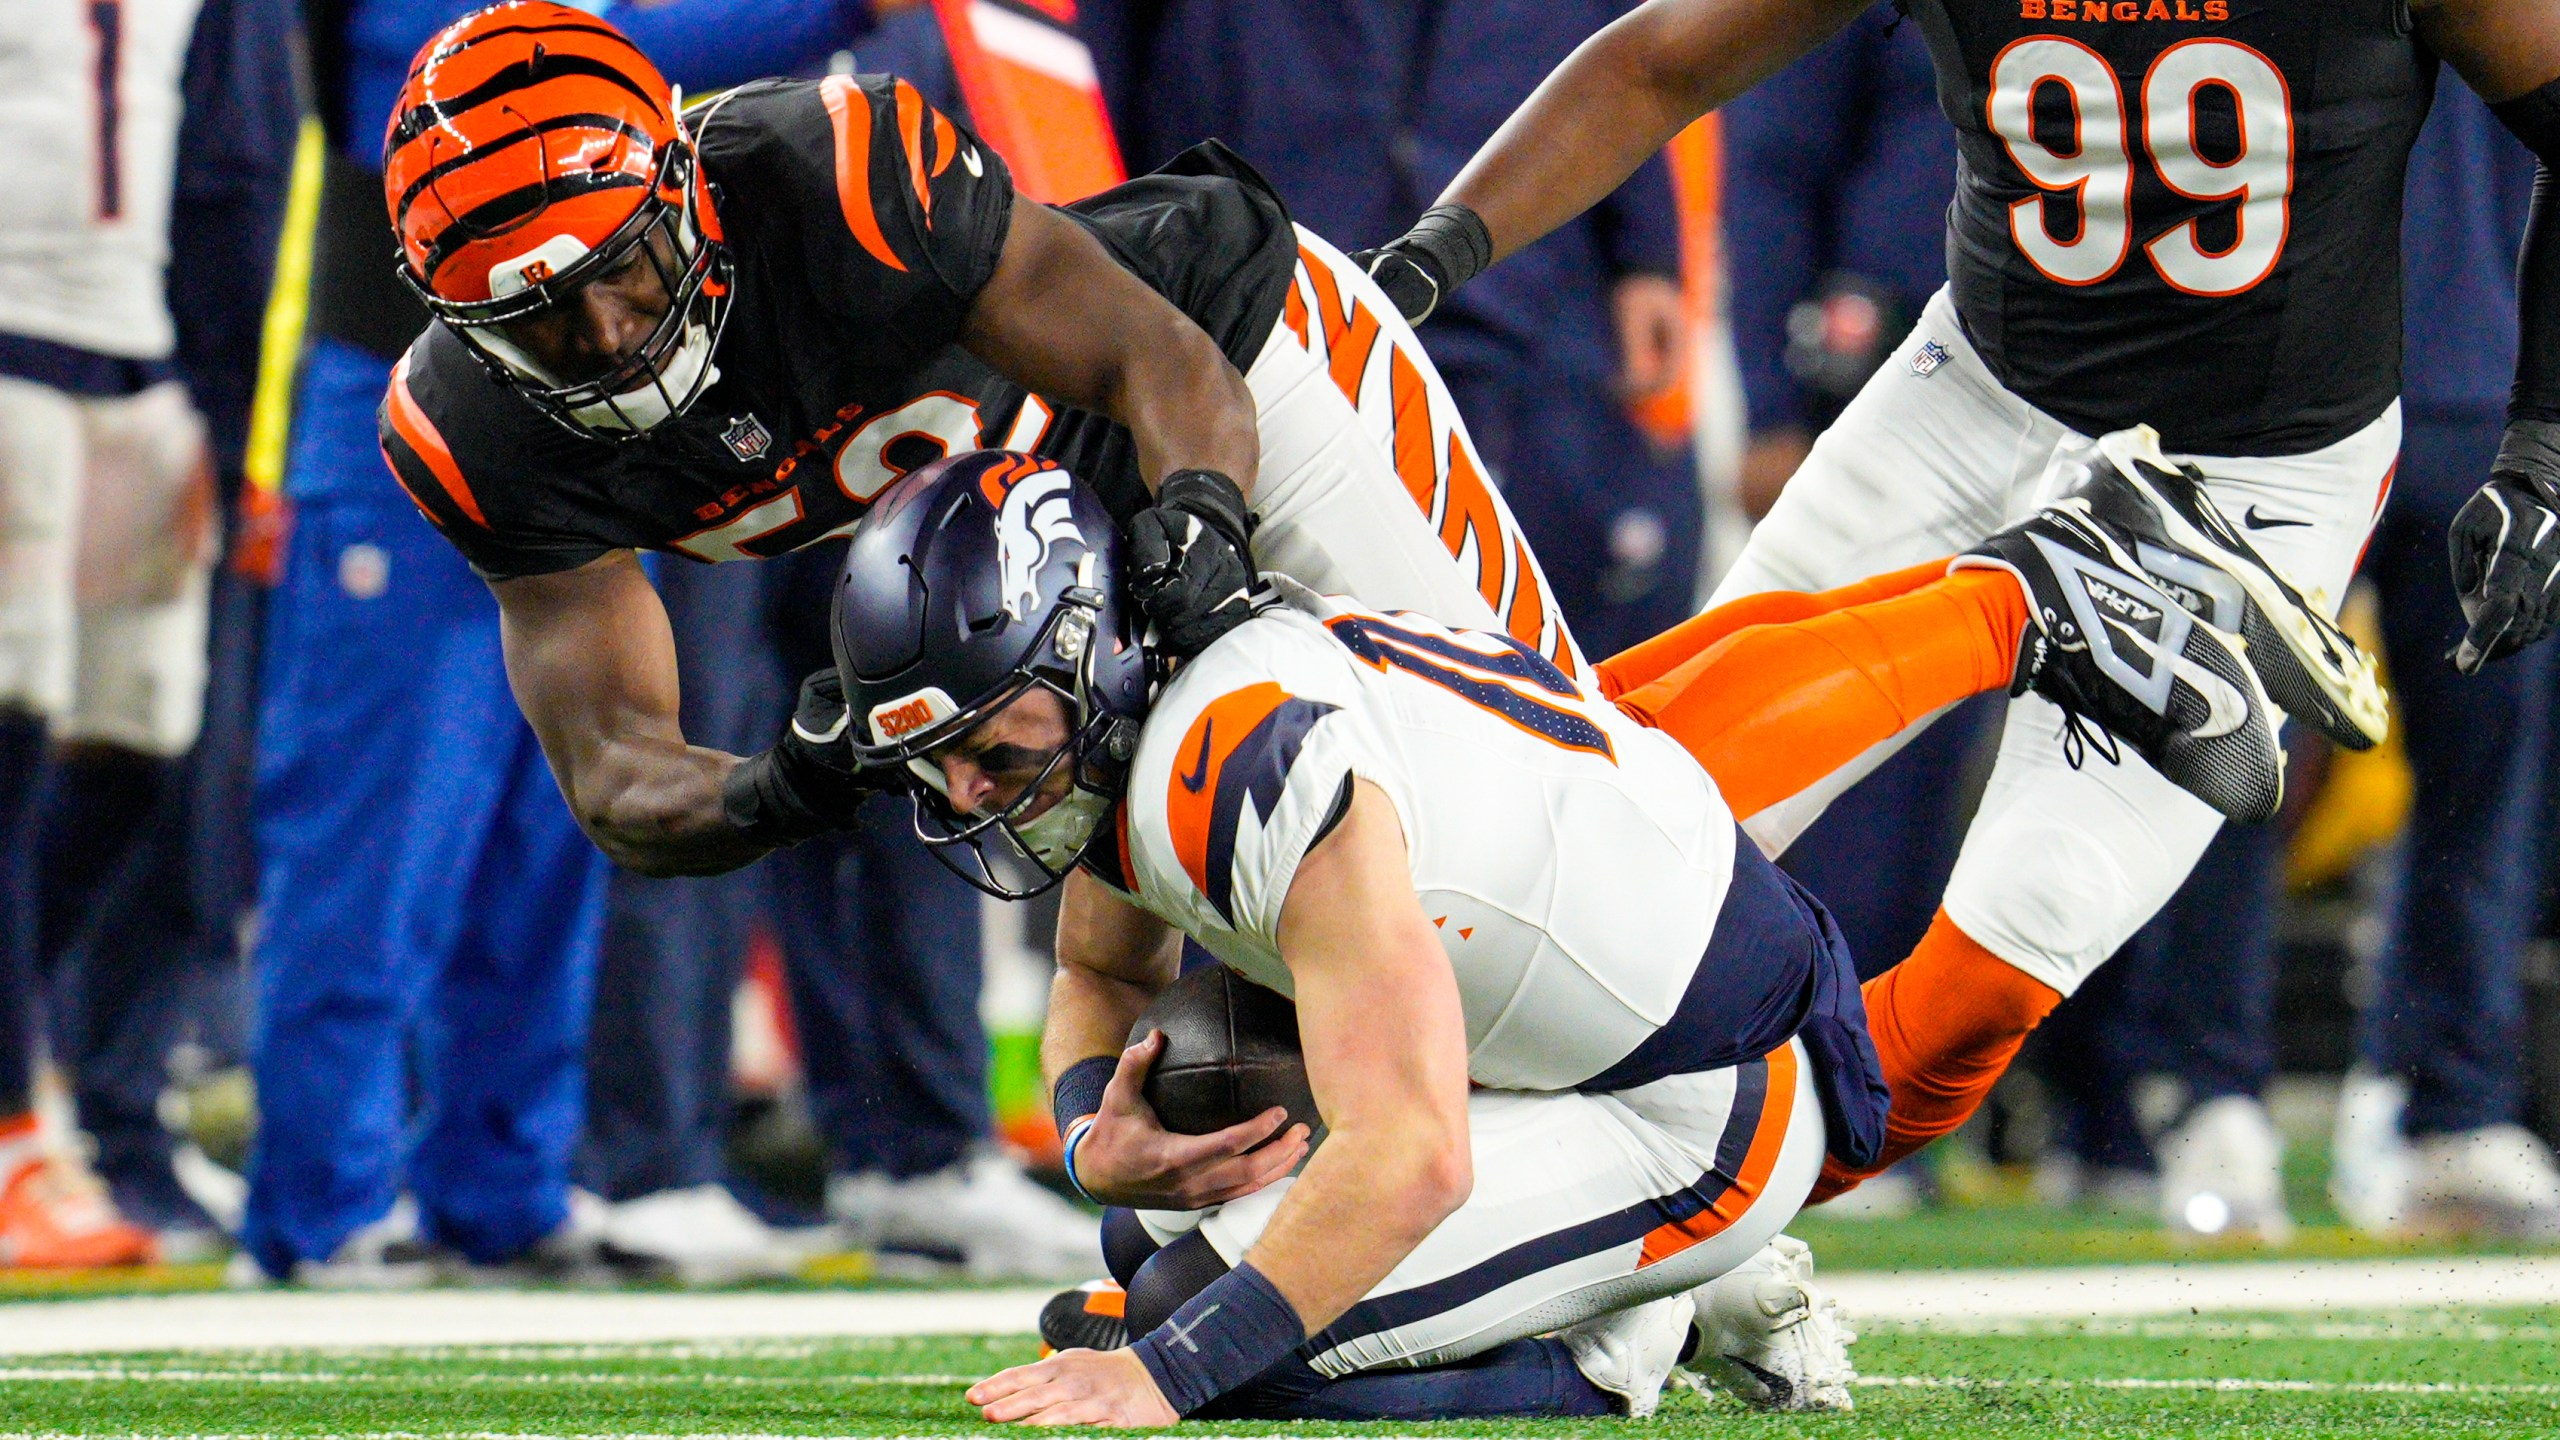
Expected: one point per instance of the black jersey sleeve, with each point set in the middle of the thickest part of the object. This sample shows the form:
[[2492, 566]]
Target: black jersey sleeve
[[424, 462], [899, 212]]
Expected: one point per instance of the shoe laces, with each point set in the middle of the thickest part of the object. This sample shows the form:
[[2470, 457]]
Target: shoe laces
[[2080, 735]]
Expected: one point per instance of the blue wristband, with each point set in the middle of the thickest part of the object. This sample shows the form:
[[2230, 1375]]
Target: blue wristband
[[1078, 1092], [1232, 1331], [1067, 1156]]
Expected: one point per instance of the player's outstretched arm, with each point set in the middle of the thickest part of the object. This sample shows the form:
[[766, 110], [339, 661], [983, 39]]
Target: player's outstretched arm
[[1386, 1048], [2505, 543], [593, 665], [1061, 317], [1614, 102], [1386, 1051]]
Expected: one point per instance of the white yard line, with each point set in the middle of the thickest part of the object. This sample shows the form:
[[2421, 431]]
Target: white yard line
[[1956, 1299]]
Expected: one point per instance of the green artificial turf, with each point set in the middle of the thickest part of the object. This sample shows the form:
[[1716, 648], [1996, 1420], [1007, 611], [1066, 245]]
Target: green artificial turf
[[2490, 1373]]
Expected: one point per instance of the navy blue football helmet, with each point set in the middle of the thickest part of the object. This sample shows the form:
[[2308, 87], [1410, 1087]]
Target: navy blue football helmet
[[971, 582]]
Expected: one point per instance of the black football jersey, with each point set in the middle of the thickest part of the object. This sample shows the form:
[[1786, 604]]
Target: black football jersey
[[2184, 213], [862, 225]]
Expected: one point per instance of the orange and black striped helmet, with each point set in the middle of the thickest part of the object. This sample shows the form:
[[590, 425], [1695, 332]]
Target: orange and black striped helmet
[[531, 149]]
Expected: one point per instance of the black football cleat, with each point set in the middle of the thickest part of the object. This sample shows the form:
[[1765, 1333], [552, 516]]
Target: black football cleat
[[2110, 647], [1092, 1316], [2190, 549]]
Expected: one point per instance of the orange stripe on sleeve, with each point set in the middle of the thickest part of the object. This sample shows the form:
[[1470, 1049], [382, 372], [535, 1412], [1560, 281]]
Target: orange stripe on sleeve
[[1527, 620], [1470, 509], [420, 434], [946, 143], [851, 110], [1777, 1110], [1349, 336], [911, 113], [1412, 404]]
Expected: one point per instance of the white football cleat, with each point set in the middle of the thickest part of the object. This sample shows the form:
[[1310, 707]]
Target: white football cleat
[[1771, 1337], [1631, 1352], [695, 1236], [2498, 1178], [2371, 1166], [982, 1216], [2222, 1172]]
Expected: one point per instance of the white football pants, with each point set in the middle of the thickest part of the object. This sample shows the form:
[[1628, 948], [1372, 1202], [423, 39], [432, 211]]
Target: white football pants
[[107, 542], [1583, 1205], [1370, 486], [2061, 865]]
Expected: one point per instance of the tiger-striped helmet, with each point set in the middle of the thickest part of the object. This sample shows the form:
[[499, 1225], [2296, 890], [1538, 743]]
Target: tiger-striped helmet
[[533, 149]]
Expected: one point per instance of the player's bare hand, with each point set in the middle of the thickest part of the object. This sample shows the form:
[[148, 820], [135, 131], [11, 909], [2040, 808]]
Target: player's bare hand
[[1075, 1387], [1129, 1158], [1653, 334]]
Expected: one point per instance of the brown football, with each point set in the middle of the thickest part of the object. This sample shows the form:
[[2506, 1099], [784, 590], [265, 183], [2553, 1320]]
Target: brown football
[[1230, 1053]]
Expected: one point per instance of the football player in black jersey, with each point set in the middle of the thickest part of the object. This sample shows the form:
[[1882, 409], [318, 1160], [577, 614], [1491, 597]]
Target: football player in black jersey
[[2179, 213], [721, 333]]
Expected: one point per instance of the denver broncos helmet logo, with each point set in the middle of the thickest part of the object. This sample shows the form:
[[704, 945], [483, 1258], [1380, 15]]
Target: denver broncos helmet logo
[[1038, 512]]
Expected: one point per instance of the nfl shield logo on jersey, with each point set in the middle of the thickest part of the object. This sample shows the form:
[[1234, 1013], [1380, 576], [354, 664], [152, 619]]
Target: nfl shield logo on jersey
[[1931, 355], [747, 437]]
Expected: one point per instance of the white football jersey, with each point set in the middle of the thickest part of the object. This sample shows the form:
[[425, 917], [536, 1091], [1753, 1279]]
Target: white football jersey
[[1573, 860], [89, 109]]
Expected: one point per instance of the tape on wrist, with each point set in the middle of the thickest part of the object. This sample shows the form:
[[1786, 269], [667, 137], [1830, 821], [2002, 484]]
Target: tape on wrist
[[1232, 1331]]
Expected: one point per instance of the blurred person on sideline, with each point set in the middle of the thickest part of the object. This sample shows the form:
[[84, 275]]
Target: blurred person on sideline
[[432, 913], [133, 265], [2428, 1125]]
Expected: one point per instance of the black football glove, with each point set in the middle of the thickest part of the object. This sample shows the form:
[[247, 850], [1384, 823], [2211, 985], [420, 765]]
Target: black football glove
[[2506, 548], [1445, 249], [808, 784], [1191, 561]]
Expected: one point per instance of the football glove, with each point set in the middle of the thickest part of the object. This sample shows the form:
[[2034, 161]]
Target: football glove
[[1191, 561], [808, 784], [1445, 249], [2505, 545]]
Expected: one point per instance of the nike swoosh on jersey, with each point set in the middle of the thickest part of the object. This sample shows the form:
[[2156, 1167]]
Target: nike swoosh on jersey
[[1199, 775], [2256, 521], [969, 157]]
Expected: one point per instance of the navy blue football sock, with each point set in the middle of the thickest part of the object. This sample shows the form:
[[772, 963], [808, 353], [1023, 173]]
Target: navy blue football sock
[[22, 744], [1523, 1378], [1126, 1245], [96, 799]]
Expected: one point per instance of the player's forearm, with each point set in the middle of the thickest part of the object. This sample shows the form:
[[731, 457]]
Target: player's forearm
[[1113, 958], [656, 806], [1186, 407], [1621, 97], [1359, 1208]]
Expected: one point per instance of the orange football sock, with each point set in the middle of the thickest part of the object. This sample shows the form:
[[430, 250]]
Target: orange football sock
[[1946, 1022], [1770, 707], [1649, 660]]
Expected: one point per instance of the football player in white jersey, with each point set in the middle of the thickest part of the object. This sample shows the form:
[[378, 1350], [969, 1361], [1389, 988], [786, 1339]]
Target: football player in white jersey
[[1579, 1048], [107, 529]]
